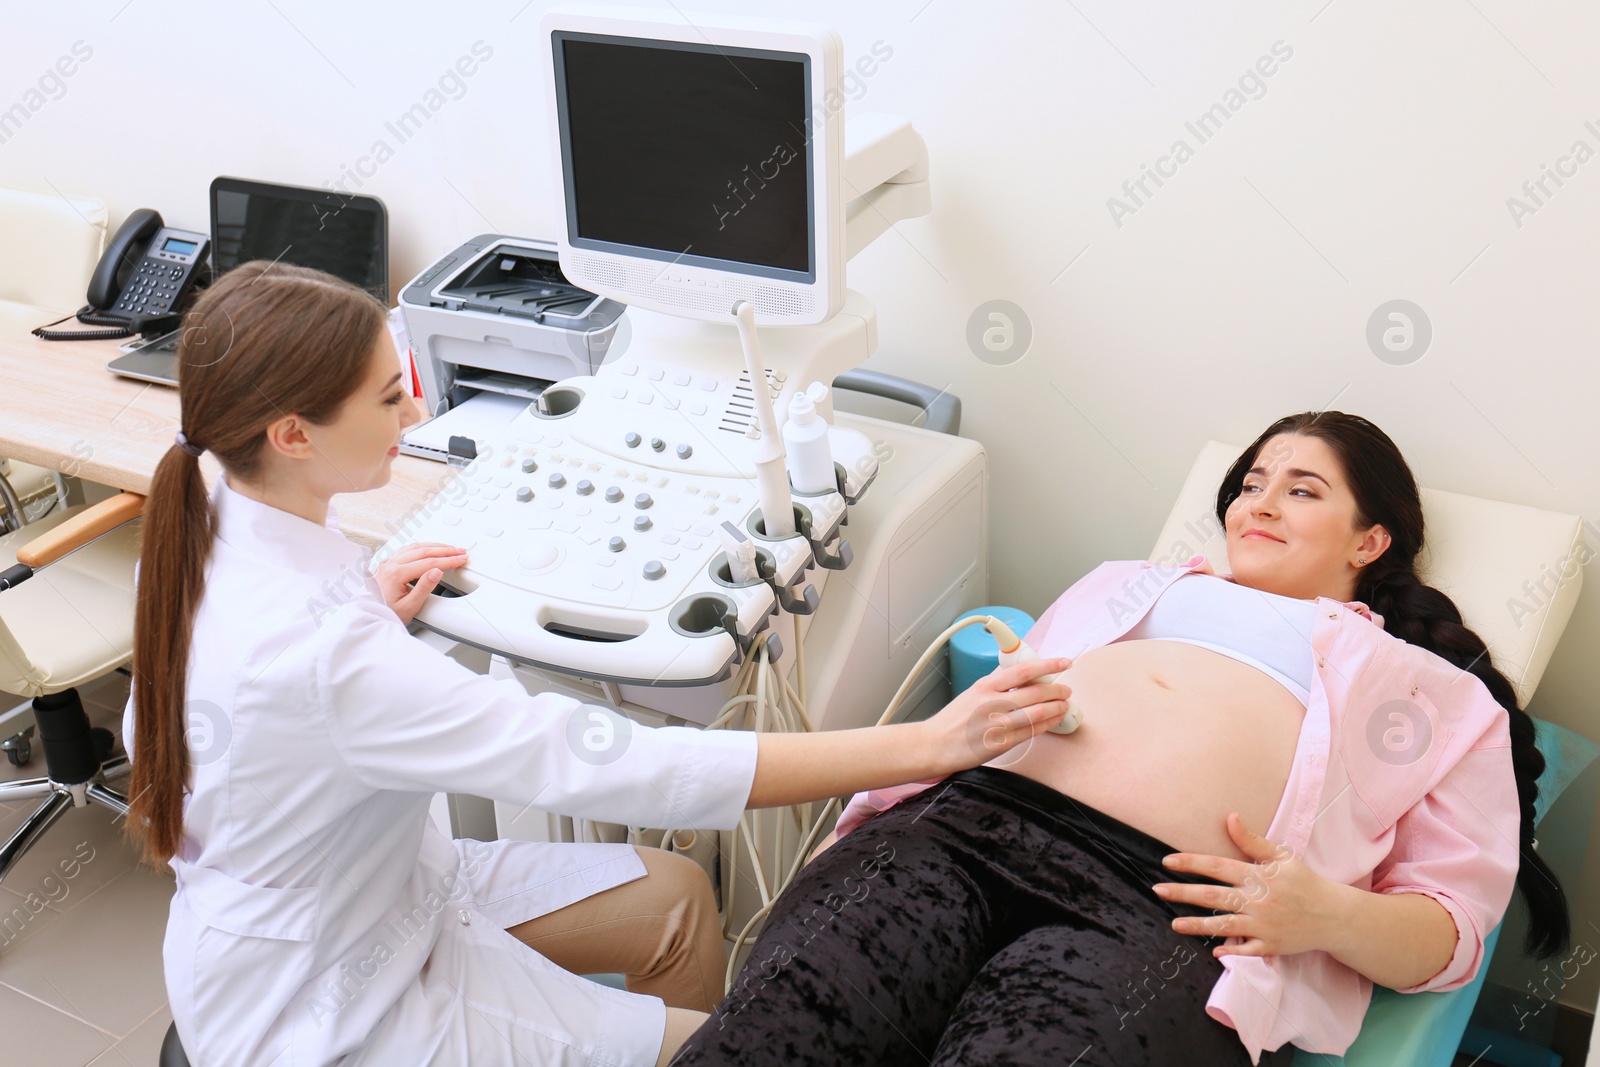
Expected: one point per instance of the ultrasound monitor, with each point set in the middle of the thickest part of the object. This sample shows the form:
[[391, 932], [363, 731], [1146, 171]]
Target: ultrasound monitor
[[700, 164]]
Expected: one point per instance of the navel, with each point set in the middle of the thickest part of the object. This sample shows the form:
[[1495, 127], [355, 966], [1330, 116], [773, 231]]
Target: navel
[[1158, 680]]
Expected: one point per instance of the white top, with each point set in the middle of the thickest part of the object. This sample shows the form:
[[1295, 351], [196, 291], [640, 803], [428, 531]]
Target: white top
[[1271, 633], [320, 917]]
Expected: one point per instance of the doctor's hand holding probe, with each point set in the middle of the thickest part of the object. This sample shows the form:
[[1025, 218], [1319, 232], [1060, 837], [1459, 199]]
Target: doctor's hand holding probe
[[287, 736]]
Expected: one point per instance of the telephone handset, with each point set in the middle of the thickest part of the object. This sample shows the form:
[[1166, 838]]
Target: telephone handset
[[141, 282]]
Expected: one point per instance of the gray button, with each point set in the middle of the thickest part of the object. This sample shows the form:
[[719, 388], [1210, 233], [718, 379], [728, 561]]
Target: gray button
[[642, 522], [632, 439], [557, 480], [654, 569], [657, 443], [616, 544], [613, 494], [684, 451], [642, 501], [585, 487], [524, 494], [529, 466]]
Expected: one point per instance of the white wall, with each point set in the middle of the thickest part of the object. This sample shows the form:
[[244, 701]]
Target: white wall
[[1376, 164]]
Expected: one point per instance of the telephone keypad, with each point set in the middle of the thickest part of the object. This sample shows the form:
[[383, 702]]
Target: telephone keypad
[[152, 288], [162, 275]]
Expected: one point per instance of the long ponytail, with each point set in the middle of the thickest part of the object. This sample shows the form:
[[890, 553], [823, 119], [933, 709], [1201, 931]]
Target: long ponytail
[[266, 340], [1386, 493], [178, 530]]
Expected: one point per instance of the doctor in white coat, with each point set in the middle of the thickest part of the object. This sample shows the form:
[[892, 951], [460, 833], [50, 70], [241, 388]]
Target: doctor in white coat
[[287, 736]]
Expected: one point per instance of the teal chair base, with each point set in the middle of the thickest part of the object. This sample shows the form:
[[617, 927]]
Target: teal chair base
[[1410, 1029]]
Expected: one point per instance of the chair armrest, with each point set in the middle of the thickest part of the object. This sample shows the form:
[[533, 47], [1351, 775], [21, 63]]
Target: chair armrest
[[79, 530]]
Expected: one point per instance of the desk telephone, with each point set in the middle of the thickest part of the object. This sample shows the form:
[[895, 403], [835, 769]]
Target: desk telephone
[[141, 282]]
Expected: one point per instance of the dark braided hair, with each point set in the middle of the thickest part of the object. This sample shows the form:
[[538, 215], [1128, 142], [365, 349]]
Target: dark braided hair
[[1386, 494]]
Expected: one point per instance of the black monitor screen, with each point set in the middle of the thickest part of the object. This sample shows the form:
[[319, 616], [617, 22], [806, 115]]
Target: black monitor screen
[[690, 152], [345, 236]]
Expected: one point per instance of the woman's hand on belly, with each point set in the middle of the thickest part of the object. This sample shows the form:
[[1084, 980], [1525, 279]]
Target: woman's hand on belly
[[1273, 900]]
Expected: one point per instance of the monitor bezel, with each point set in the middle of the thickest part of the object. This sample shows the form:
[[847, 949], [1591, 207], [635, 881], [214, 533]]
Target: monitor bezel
[[584, 260], [569, 193]]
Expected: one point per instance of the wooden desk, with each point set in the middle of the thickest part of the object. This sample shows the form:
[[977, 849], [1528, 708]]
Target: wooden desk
[[61, 409]]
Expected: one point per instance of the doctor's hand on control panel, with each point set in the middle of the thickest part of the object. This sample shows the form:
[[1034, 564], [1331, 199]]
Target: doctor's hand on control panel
[[411, 575]]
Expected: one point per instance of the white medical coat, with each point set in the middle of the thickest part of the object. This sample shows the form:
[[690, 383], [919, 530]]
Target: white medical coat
[[320, 917]]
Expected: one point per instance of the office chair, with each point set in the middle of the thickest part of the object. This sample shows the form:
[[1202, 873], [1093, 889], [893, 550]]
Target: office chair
[[72, 622], [64, 238], [68, 236], [1483, 554], [33, 493]]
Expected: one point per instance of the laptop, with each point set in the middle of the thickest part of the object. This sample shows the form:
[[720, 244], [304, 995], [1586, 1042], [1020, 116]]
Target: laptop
[[345, 235]]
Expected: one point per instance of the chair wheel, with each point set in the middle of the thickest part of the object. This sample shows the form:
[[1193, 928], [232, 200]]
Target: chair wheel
[[19, 747]]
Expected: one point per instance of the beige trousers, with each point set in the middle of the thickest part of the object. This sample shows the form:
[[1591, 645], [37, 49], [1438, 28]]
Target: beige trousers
[[661, 932]]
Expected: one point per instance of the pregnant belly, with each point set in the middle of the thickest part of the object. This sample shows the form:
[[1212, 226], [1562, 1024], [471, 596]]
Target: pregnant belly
[[1174, 737]]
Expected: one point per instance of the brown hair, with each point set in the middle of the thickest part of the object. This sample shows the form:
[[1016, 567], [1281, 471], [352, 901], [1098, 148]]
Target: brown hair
[[265, 341], [1386, 494]]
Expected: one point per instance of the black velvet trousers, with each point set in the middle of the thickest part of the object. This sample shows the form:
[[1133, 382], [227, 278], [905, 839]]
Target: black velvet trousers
[[989, 920]]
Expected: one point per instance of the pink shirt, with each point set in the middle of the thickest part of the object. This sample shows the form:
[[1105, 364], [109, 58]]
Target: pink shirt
[[1401, 783]]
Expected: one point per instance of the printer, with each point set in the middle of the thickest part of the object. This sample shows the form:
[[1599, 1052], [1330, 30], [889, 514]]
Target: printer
[[491, 325]]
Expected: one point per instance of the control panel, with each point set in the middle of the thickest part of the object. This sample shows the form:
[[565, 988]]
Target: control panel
[[593, 524]]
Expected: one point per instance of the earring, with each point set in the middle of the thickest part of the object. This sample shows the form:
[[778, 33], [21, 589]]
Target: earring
[[1361, 562]]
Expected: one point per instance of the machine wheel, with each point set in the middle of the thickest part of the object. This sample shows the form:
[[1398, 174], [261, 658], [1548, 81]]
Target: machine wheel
[[20, 754]]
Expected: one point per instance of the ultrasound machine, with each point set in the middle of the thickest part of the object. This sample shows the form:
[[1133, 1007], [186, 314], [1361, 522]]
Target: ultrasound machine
[[664, 511]]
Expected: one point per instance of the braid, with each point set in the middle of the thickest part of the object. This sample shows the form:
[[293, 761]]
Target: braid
[[1423, 616]]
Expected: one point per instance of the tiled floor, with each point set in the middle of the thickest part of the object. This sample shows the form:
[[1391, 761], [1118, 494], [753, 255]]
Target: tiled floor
[[81, 924]]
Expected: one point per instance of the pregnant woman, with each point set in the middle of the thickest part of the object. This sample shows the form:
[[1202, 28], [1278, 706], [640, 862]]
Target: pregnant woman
[[1291, 783]]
